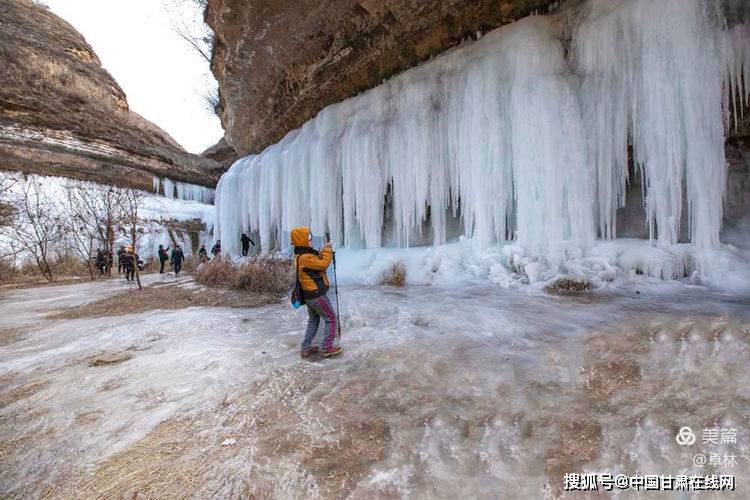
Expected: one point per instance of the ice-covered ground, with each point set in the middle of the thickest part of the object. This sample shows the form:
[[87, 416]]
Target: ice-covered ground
[[451, 392]]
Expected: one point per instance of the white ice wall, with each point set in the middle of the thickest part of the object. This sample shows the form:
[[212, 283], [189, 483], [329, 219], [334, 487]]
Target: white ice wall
[[531, 138]]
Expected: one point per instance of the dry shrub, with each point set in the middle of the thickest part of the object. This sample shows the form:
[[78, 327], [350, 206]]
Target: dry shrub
[[8, 271], [264, 275], [70, 266], [259, 274], [396, 275], [110, 359], [217, 273], [190, 265], [568, 285]]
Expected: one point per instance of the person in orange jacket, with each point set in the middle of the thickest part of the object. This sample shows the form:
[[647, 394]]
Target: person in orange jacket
[[310, 266]]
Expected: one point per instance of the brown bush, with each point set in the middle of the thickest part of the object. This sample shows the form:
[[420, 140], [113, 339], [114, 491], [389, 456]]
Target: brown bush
[[568, 285], [190, 265], [264, 275], [395, 276], [8, 271], [70, 266], [217, 273], [260, 274]]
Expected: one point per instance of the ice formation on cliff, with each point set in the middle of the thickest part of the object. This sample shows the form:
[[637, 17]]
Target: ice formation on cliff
[[517, 136], [183, 190]]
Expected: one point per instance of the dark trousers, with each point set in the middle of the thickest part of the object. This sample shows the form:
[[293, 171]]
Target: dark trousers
[[177, 266], [161, 268], [130, 274], [245, 250]]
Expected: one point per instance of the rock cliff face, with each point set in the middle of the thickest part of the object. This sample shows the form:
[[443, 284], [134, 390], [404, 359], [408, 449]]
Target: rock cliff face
[[62, 114], [279, 62], [222, 152]]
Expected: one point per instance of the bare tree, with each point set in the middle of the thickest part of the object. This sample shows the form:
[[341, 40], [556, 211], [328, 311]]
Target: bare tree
[[93, 213], [7, 181], [133, 201], [112, 205], [83, 221], [187, 23], [36, 226]]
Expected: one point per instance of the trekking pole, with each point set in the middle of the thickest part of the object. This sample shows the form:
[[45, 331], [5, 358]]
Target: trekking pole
[[335, 286]]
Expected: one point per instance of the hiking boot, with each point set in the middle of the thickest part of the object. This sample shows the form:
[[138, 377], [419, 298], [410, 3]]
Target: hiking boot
[[308, 352], [333, 351]]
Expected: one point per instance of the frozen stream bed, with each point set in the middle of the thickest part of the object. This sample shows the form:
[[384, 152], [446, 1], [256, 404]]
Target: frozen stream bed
[[460, 392]]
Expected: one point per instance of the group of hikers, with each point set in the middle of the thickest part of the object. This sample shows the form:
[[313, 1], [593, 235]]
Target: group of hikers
[[127, 261], [177, 256], [103, 261], [175, 259]]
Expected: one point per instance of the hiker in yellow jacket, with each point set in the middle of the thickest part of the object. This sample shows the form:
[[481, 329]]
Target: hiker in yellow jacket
[[311, 268]]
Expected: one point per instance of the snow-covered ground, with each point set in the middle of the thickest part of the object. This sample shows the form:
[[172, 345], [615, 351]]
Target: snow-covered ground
[[451, 392]]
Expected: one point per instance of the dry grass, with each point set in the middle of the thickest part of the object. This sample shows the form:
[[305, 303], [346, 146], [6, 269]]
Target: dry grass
[[7, 272], [71, 266], [88, 417], [261, 274], [148, 469], [568, 284], [217, 273], [190, 265], [395, 276], [162, 297], [110, 359], [66, 270], [179, 459], [10, 335], [19, 393]]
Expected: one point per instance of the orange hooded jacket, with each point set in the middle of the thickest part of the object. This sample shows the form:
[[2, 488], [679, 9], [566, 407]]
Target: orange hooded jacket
[[311, 265]]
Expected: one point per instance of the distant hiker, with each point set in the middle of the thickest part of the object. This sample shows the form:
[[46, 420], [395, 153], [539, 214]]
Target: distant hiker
[[216, 250], [101, 263], [246, 242], [120, 255], [130, 260], [203, 254], [311, 272], [163, 257], [177, 258]]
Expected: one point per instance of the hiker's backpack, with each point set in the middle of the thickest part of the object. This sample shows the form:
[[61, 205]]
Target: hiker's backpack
[[297, 298]]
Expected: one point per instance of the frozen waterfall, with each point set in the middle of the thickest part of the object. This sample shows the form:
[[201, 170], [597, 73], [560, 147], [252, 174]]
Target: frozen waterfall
[[183, 190], [522, 135]]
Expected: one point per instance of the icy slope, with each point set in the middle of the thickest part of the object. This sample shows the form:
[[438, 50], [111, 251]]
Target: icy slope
[[470, 392], [517, 136]]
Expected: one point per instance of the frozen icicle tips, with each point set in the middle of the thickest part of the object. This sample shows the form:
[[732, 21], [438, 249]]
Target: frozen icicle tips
[[183, 191]]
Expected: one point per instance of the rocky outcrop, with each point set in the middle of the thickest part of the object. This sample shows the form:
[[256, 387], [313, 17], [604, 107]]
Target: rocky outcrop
[[222, 152], [279, 62], [62, 114]]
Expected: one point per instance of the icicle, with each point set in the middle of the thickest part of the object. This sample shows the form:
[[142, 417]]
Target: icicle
[[168, 188], [530, 145], [738, 69], [664, 60]]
